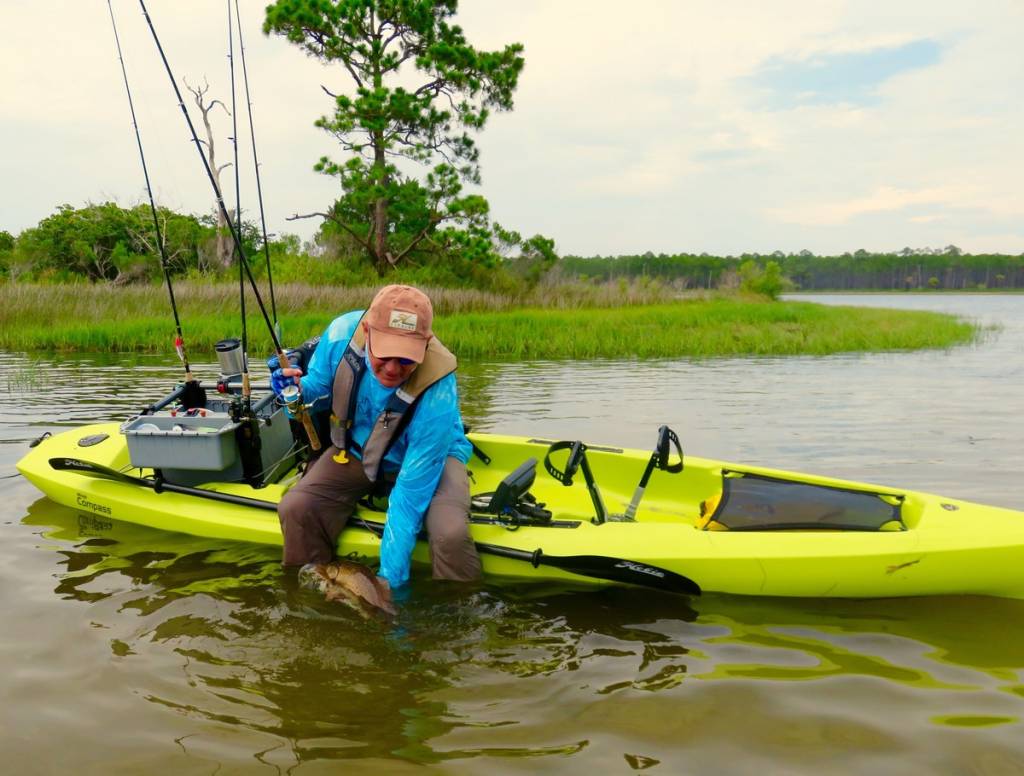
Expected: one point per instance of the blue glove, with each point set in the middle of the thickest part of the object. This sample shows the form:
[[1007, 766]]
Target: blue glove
[[279, 381], [272, 363]]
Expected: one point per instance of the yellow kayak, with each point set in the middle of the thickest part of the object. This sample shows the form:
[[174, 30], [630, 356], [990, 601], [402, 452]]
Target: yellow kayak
[[548, 510]]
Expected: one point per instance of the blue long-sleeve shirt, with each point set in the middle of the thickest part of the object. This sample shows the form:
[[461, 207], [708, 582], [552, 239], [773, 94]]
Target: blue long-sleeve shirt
[[418, 455]]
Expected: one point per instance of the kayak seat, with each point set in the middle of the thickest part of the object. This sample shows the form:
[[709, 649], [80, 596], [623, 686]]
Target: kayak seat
[[755, 502]]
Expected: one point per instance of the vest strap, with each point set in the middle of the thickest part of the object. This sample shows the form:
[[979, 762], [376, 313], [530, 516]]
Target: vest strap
[[438, 362]]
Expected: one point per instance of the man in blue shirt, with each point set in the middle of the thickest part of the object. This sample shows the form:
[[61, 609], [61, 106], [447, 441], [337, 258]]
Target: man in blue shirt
[[395, 421]]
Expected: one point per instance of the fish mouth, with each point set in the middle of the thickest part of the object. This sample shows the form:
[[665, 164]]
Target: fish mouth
[[312, 576]]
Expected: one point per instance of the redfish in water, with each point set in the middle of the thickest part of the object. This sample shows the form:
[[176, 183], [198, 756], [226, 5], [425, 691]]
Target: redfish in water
[[350, 583]]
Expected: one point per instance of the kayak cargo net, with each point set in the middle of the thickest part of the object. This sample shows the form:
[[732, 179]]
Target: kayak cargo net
[[755, 502]]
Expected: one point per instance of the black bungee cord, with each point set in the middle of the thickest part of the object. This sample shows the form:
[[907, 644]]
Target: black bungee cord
[[179, 342]]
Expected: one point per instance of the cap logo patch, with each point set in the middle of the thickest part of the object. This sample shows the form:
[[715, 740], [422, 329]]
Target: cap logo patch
[[402, 320]]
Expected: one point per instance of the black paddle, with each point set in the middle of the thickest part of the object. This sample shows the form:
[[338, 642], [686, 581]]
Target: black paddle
[[596, 566], [602, 567], [98, 470]]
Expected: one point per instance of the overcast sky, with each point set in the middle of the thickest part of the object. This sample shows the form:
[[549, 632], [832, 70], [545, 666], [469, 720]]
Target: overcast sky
[[656, 125]]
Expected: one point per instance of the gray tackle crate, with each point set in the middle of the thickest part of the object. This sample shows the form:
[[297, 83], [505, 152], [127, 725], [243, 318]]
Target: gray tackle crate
[[163, 441], [190, 450]]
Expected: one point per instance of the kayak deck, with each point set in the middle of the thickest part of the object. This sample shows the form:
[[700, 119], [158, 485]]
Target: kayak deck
[[939, 546]]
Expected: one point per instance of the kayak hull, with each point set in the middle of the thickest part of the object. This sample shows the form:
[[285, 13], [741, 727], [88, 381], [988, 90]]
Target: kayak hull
[[948, 546]]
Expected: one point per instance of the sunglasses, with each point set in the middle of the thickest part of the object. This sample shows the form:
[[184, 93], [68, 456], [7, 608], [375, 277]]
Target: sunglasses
[[399, 359]]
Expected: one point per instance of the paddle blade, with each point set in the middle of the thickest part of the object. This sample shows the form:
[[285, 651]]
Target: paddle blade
[[601, 567], [78, 465], [620, 570]]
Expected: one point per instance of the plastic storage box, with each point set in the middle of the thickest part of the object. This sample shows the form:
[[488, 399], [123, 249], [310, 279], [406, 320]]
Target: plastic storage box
[[162, 441]]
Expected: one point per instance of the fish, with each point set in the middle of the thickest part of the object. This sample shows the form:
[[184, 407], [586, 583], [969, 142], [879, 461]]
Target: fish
[[350, 583]]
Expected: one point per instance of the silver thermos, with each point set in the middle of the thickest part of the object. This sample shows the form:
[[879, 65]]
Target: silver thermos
[[229, 356]]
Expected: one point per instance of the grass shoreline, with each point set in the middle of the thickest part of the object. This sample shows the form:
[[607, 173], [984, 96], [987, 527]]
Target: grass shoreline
[[578, 322]]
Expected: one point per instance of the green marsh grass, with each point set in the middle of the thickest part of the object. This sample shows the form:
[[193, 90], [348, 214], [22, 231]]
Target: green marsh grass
[[701, 328], [563, 322]]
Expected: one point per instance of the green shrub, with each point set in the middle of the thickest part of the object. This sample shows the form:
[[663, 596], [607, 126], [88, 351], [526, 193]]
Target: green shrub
[[768, 282]]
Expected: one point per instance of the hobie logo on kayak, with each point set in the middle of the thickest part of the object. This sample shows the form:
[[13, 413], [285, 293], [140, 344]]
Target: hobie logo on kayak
[[639, 567]]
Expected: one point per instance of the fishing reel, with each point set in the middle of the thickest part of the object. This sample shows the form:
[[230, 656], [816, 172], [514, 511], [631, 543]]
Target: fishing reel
[[291, 397]]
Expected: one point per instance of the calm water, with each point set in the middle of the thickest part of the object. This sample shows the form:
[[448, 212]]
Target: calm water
[[128, 650]]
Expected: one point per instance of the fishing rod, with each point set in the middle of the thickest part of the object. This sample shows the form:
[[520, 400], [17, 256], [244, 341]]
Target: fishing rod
[[193, 394], [256, 168], [297, 408], [246, 384]]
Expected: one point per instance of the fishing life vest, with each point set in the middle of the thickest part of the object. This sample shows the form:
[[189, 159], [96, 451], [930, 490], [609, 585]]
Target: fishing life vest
[[438, 362]]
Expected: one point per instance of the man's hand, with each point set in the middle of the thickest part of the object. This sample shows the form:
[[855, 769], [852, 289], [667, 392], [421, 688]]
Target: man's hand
[[282, 378]]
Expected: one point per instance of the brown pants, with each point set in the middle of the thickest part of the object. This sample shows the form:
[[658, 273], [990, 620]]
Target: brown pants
[[313, 513]]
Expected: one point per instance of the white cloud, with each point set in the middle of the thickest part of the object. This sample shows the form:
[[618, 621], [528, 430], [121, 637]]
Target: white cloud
[[881, 200], [633, 129]]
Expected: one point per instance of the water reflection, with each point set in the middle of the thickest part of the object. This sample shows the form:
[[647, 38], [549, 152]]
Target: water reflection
[[254, 652], [522, 672]]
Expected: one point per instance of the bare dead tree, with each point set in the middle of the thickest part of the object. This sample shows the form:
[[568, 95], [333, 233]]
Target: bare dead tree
[[145, 243], [225, 245]]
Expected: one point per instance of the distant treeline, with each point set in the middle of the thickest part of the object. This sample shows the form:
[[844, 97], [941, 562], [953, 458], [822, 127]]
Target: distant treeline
[[108, 243], [947, 268]]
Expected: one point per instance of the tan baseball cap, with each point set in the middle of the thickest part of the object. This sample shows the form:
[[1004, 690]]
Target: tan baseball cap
[[399, 319]]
